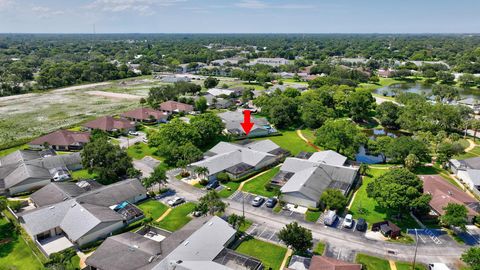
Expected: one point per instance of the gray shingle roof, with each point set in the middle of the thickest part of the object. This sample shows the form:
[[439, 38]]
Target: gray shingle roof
[[312, 178], [125, 251], [83, 218], [328, 157], [56, 192], [233, 119]]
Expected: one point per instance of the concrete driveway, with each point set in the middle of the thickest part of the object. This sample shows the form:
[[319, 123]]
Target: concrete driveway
[[126, 142], [146, 165]]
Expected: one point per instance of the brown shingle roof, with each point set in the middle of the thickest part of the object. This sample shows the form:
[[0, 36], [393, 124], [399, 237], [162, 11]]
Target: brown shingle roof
[[326, 263], [145, 114], [63, 138], [444, 193], [108, 123], [173, 106]]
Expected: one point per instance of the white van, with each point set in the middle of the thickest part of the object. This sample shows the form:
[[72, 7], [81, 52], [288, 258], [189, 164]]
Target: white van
[[330, 218], [438, 266]]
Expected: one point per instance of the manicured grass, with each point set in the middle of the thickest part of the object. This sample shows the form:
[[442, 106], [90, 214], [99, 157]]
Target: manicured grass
[[319, 248], [15, 253], [408, 266], [290, 141], [474, 153], [83, 174], [271, 255], [368, 208], [153, 208], [372, 263], [257, 185], [12, 149], [309, 134], [225, 193], [245, 225], [178, 217], [140, 150], [312, 216]]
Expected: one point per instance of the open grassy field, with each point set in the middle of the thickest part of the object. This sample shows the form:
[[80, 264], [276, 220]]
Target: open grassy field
[[177, 218], [14, 251], [271, 255], [140, 150], [290, 141], [368, 208], [257, 185], [153, 208], [372, 263]]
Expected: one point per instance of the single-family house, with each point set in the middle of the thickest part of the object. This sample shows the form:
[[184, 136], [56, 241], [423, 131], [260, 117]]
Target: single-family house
[[327, 263], [240, 160], [468, 170], [27, 170], [385, 73], [126, 251], [470, 102], [283, 87], [61, 140], [444, 193], [219, 92], [302, 181], [85, 218], [233, 119], [110, 124], [218, 102], [206, 247], [56, 192], [174, 79], [146, 115], [175, 107], [274, 62]]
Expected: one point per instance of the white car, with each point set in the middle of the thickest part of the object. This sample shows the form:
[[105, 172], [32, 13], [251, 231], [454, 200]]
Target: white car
[[133, 133], [348, 221], [176, 201]]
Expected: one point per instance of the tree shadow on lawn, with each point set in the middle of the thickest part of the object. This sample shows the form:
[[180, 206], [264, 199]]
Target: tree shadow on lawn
[[9, 238]]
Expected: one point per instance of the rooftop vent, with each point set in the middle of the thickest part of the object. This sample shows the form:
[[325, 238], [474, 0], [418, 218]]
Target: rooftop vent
[[186, 243]]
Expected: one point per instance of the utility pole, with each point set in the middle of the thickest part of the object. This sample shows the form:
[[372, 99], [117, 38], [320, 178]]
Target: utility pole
[[416, 247]]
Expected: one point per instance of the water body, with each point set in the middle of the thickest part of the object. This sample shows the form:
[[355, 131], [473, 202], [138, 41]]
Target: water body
[[422, 89], [364, 157]]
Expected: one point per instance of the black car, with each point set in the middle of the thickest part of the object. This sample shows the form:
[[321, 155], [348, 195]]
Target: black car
[[213, 185], [271, 202], [361, 225]]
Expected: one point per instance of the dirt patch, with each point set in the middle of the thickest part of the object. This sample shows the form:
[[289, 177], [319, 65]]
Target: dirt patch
[[114, 95]]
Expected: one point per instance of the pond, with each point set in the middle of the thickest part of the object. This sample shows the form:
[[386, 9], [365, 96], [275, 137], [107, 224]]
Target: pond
[[422, 89], [363, 156]]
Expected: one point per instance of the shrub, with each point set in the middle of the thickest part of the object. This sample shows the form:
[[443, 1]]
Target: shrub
[[223, 177], [203, 182], [184, 174]]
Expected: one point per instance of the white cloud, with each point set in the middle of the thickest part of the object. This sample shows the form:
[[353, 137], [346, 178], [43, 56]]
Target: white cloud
[[252, 4], [257, 4], [46, 12], [4, 4], [144, 7]]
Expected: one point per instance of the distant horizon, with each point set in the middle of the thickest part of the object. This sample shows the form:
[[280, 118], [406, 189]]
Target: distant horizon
[[240, 16]]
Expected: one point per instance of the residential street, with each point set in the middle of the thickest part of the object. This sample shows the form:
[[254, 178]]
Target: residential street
[[340, 242]]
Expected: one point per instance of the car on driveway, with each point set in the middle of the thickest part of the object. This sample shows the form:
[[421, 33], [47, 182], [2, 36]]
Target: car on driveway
[[330, 218], [271, 202], [348, 221], [257, 201], [176, 201], [213, 185], [361, 225], [133, 133]]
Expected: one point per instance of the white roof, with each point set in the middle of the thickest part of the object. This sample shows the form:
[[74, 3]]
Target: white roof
[[218, 91], [203, 245], [328, 157]]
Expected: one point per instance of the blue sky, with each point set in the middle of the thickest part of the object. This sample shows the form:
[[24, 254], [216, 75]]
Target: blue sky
[[240, 16]]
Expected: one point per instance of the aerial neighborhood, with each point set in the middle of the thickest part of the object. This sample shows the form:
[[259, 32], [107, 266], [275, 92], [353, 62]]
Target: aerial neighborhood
[[288, 151]]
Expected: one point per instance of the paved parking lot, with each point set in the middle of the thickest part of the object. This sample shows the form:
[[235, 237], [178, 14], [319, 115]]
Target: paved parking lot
[[264, 232], [431, 236]]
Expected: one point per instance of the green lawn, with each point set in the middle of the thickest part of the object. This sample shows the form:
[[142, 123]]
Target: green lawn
[[140, 150], [290, 141], [372, 263], [178, 217], [319, 248], [83, 174], [15, 253], [225, 193], [312, 216], [257, 185], [474, 153], [408, 266], [271, 255], [368, 208], [309, 134], [245, 225], [12, 149], [153, 208]]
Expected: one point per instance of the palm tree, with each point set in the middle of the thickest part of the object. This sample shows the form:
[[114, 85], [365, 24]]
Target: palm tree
[[201, 172]]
